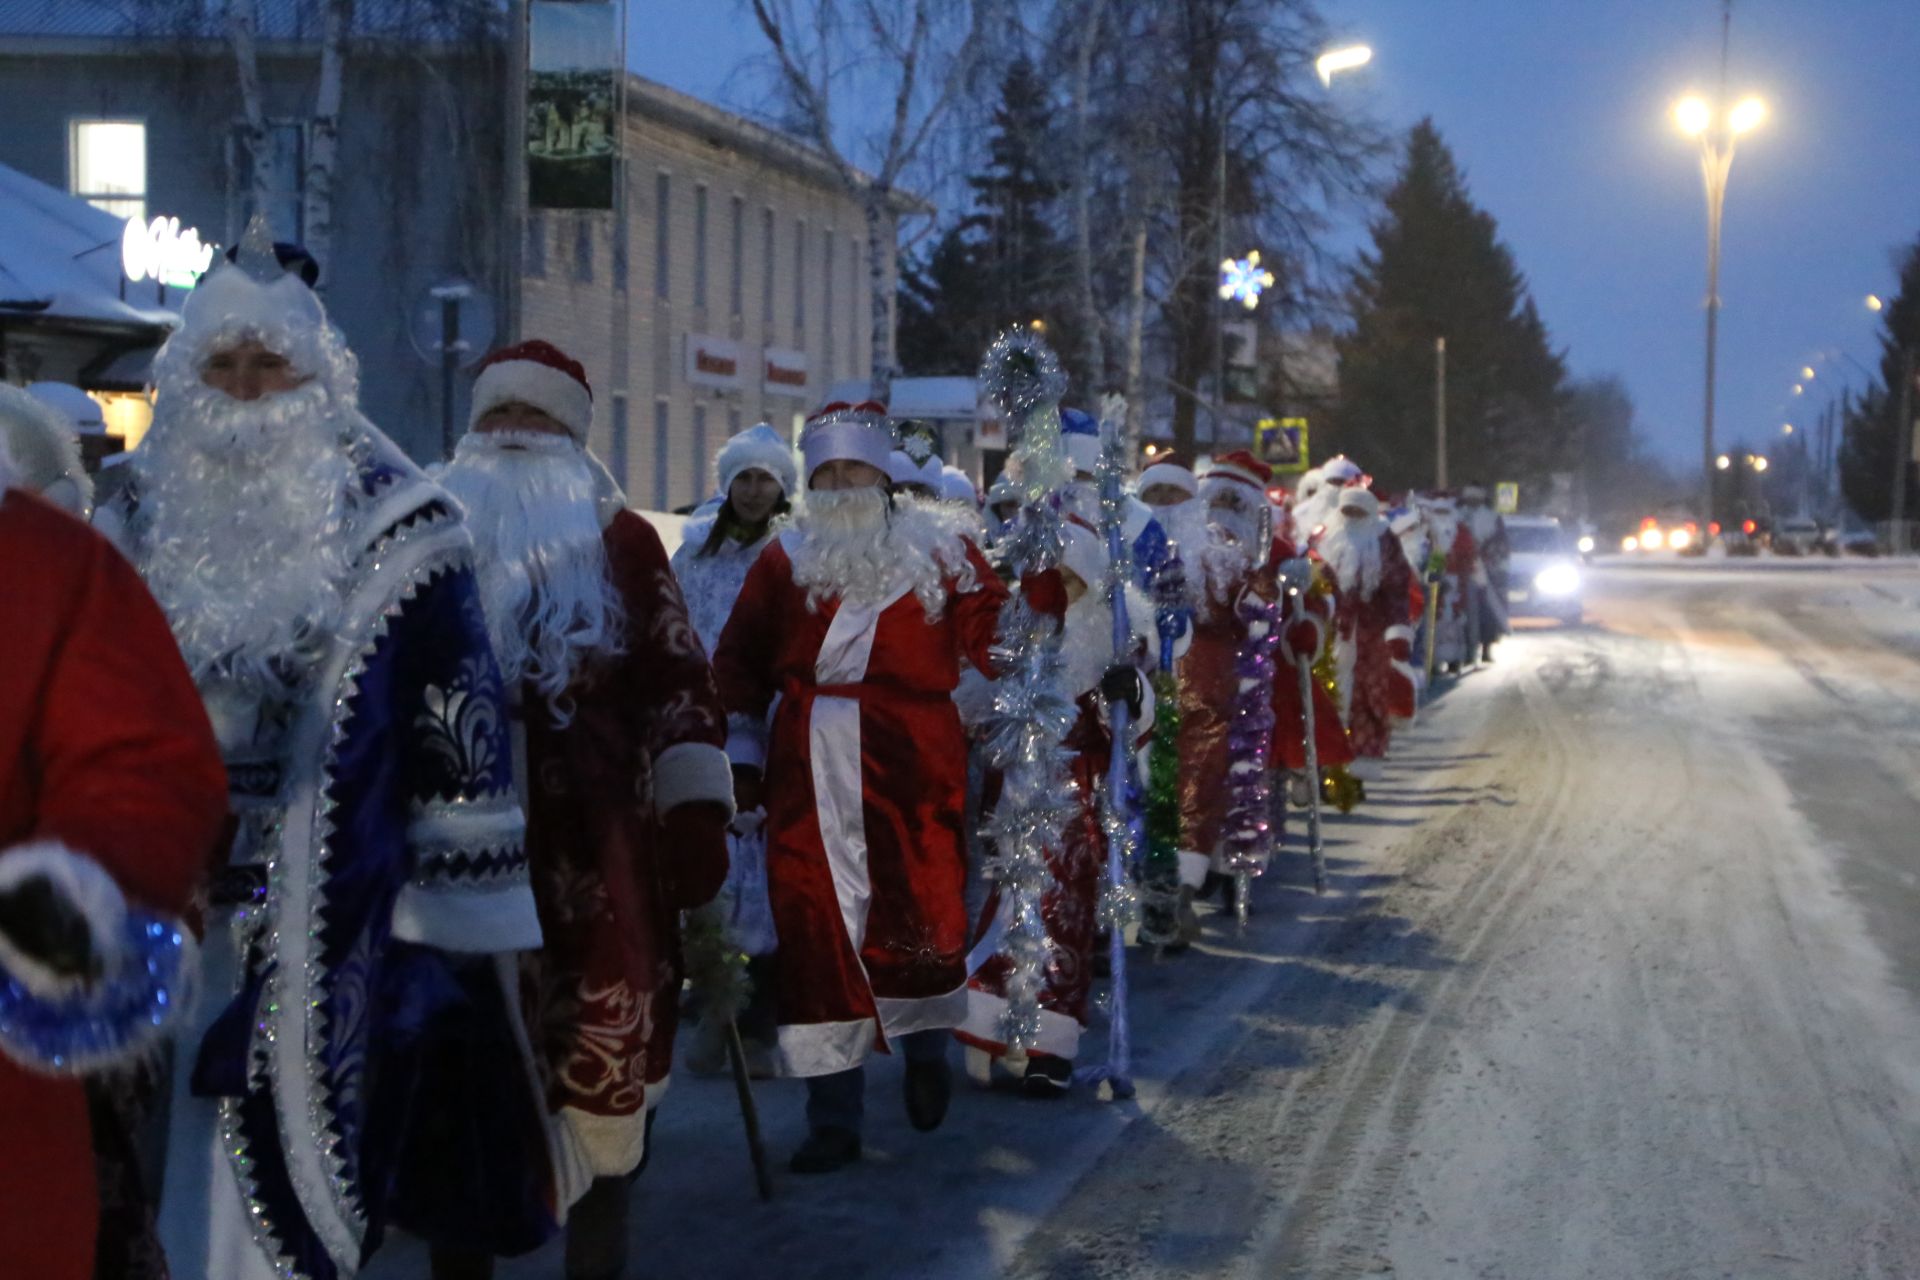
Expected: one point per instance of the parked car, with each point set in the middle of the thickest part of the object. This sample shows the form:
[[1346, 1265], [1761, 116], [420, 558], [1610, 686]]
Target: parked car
[[1544, 578], [1797, 536]]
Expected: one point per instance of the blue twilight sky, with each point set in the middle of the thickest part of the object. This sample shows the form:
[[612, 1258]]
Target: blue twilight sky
[[1557, 110]]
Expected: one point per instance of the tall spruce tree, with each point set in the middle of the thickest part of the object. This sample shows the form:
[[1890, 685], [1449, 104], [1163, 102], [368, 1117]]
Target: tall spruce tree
[[1869, 447], [1006, 262], [1438, 269]]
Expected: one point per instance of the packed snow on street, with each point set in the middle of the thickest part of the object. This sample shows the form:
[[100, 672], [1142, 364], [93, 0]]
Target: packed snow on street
[[1618, 975]]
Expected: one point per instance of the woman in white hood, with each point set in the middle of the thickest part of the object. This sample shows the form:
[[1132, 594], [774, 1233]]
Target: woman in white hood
[[757, 476]]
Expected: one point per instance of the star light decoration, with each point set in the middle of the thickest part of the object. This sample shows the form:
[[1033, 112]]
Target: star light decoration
[[1243, 279]]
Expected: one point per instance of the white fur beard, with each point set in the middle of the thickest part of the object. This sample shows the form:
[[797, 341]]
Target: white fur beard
[[1224, 567], [854, 547], [1445, 529], [1086, 637], [1351, 549], [540, 553], [250, 505]]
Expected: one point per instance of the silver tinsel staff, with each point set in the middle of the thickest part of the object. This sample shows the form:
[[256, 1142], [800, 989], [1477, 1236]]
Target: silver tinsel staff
[[1032, 711], [1119, 900]]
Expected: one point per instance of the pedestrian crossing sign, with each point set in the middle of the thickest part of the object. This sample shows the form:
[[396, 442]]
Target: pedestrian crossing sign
[[1281, 443], [1506, 498]]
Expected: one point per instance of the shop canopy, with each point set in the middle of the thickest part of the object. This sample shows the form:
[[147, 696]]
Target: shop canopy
[[60, 263]]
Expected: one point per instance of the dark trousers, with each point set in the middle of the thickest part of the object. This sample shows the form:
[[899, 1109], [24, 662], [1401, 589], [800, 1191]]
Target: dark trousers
[[839, 1101]]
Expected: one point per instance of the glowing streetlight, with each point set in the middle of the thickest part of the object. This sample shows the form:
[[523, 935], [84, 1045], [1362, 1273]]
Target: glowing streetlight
[[1787, 429], [1874, 303], [1748, 114], [1723, 462], [1716, 132], [1334, 61], [1798, 389], [1759, 464], [1692, 115], [1806, 373]]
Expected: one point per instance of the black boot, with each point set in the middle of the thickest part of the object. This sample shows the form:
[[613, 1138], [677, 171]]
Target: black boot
[[1486, 653], [928, 1089], [1047, 1076], [826, 1151]]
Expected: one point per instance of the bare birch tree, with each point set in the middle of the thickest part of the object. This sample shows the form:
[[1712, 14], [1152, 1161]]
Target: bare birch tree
[[922, 56], [323, 135], [244, 37]]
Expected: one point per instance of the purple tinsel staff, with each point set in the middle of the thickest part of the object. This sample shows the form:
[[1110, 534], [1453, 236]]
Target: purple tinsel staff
[[1249, 833]]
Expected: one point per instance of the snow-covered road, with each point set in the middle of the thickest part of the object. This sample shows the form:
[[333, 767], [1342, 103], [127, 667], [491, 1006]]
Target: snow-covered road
[[1619, 977]]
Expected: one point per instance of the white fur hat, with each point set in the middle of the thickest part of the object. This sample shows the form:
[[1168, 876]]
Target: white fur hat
[[44, 450], [759, 448], [1359, 496], [956, 486], [1083, 552], [1340, 469], [538, 374], [1170, 473]]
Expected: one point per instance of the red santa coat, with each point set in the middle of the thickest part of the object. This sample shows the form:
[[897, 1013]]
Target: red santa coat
[[1209, 686], [1307, 621], [865, 784], [1371, 634], [646, 735], [104, 749]]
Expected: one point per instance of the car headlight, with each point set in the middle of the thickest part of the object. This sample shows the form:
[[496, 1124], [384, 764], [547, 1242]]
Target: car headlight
[[1629, 543], [1557, 580], [1652, 540], [1679, 539], [1586, 546]]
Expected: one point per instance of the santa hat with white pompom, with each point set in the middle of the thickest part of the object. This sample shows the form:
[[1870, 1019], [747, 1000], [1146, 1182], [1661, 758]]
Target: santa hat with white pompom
[[542, 376]]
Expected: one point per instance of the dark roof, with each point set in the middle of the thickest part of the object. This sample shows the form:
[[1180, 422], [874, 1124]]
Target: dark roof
[[297, 21]]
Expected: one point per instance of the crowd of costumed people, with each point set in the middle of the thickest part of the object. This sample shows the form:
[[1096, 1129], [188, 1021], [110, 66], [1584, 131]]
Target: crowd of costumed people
[[383, 822]]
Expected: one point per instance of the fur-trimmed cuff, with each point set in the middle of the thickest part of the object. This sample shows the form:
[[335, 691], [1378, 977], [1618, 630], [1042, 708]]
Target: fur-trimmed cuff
[[690, 772], [1399, 633], [746, 741], [86, 887]]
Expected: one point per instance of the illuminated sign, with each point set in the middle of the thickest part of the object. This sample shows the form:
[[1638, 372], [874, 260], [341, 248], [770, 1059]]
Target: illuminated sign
[[1506, 498], [160, 250], [1243, 279], [1281, 443]]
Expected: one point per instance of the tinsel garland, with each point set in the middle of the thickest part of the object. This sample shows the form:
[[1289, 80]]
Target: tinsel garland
[[1032, 710], [716, 967], [1338, 786], [1248, 835], [1161, 875]]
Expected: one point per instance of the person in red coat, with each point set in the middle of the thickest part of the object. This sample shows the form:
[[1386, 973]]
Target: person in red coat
[[1307, 609], [1372, 640], [857, 617], [111, 800], [625, 784]]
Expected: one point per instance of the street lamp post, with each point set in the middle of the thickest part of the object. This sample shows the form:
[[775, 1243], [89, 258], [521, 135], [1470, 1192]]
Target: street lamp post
[[1716, 132]]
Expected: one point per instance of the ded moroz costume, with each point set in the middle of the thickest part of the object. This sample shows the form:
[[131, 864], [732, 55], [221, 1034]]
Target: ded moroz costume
[[626, 787], [111, 798], [359, 1060]]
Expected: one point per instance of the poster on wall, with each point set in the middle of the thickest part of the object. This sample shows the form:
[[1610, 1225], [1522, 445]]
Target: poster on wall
[[573, 100]]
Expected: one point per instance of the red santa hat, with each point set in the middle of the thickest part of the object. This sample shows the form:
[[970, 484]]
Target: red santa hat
[[1239, 467], [843, 432], [540, 375]]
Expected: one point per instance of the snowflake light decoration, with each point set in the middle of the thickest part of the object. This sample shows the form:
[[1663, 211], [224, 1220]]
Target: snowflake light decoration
[[1243, 279]]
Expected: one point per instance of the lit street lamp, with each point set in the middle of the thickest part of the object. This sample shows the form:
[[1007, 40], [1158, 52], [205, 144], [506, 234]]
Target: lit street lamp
[[1722, 462], [1334, 61], [1716, 132]]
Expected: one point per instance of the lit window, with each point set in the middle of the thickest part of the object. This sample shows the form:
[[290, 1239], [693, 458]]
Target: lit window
[[109, 166]]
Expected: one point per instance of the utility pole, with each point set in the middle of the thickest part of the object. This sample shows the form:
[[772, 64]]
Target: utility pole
[[1219, 303], [1902, 452], [1440, 412]]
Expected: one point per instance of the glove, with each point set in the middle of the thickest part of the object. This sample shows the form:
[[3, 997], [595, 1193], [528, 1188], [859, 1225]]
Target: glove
[[1303, 639], [1046, 592], [693, 848], [1122, 683], [44, 927]]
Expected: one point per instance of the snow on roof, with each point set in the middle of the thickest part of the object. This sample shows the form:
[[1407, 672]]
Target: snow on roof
[[293, 20], [61, 258]]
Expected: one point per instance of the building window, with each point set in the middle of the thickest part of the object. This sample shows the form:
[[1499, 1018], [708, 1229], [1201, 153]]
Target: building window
[[617, 446], [536, 246], [799, 281], [107, 165], [699, 448], [287, 183], [766, 273], [829, 321], [661, 416], [583, 249], [700, 246], [736, 284], [662, 242]]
